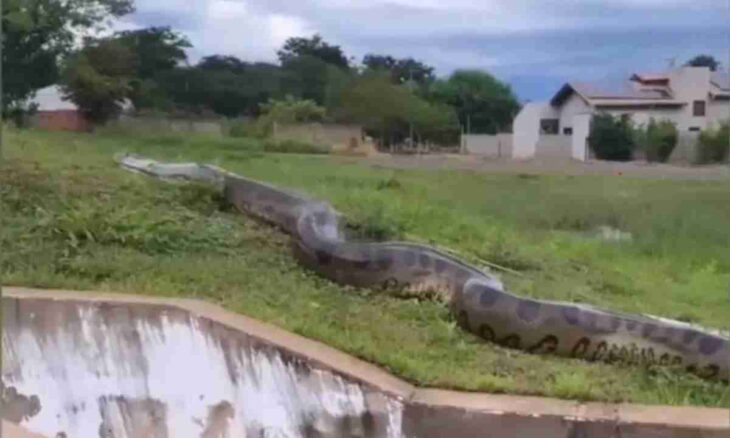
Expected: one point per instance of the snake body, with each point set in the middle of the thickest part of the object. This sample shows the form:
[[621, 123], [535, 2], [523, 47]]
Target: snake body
[[477, 300]]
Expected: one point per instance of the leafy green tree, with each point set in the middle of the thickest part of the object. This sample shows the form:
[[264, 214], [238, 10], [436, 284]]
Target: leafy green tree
[[292, 110], [230, 88], [36, 33], [401, 70], [714, 144], [612, 138], [223, 63], [156, 49], [97, 78], [388, 110], [314, 47], [659, 140], [481, 101], [704, 61]]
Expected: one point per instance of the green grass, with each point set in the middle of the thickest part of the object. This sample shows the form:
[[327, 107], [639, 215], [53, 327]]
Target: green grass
[[72, 219]]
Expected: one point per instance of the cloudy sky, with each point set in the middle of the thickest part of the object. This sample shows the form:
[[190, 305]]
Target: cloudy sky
[[535, 45]]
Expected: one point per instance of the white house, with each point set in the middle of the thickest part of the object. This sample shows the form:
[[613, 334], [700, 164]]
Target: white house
[[692, 97]]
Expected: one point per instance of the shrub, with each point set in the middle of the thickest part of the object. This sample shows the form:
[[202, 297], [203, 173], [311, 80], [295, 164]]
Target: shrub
[[714, 144], [611, 138], [295, 147], [260, 128], [661, 139]]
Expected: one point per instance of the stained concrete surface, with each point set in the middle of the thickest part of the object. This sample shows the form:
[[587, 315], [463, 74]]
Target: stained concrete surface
[[79, 364]]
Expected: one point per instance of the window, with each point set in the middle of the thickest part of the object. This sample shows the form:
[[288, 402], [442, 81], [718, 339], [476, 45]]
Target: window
[[698, 108], [567, 131], [694, 128], [549, 126]]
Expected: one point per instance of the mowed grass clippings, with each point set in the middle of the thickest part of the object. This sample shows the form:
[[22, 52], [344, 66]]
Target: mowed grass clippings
[[72, 219]]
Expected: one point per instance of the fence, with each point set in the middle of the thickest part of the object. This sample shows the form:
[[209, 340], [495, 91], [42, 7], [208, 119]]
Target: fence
[[493, 146], [147, 123], [686, 149]]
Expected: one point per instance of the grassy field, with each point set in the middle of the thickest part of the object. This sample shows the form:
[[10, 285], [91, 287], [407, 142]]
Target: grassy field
[[72, 219]]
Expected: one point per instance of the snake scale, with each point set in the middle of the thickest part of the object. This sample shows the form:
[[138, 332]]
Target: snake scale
[[477, 300]]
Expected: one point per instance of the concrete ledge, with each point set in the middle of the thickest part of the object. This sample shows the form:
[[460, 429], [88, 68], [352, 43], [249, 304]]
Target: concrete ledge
[[434, 412]]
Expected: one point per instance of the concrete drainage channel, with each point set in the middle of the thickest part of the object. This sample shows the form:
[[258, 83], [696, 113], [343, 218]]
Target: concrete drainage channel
[[83, 364]]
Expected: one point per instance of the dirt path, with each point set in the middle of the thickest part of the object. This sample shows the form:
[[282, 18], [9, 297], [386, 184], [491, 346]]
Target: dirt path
[[475, 163]]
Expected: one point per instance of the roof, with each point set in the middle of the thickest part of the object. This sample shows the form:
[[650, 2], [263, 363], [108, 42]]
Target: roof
[[650, 77], [50, 99], [623, 92]]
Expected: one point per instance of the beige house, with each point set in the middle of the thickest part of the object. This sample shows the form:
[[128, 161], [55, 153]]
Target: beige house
[[694, 98]]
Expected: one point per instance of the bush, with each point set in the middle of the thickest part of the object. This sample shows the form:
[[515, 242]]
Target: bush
[[295, 147], [714, 144], [259, 128], [611, 138], [661, 139]]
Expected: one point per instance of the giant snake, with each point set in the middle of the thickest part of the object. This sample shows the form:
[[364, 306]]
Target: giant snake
[[477, 299]]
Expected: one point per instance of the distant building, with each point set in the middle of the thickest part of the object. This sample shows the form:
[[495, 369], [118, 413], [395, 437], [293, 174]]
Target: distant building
[[56, 114], [694, 98]]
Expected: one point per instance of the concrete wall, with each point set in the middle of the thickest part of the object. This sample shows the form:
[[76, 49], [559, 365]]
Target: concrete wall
[[526, 128], [718, 111], [573, 106], [84, 364], [579, 139], [494, 146], [689, 84], [144, 123], [332, 135], [686, 150], [554, 146], [134, 370]]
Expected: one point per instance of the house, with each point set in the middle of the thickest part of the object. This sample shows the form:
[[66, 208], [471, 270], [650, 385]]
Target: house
[[56, 114], [694, 98]]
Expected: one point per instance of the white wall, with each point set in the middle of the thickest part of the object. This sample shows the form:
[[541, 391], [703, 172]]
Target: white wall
[[690, 84], [554, 146], [526, 128], [579, 139], [573, 106], [717, 111]]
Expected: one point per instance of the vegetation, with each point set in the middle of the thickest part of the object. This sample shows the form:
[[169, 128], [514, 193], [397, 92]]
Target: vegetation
[[612, 138], [294, 147], [704, 61], [483, 103], [658, 140], [714, 144], [36, 33], [72, 219], [98, 79]]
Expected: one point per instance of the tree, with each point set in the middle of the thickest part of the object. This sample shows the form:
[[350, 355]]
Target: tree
[[156, 48], [387, 110], [36, 33], [314, 47], [482, 102], [704, 61], [292, 110], [97, 78], [401, 70], [226, 85], [222, 63], [612, 138]]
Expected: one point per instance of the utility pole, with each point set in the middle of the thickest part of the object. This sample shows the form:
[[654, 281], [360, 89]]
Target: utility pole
[[410, 122]]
